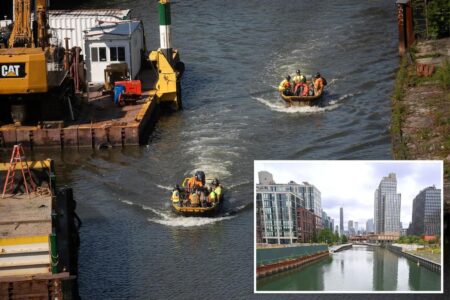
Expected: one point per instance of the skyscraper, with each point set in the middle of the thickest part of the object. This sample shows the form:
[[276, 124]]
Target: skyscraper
[[265, 178], [341, 222], [387, 205], [350, 229], [312, 196], [426, 214], [369, 226], [356, 228]]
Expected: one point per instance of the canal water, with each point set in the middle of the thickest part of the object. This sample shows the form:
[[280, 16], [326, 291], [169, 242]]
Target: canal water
[[360, 268], [236, 53]]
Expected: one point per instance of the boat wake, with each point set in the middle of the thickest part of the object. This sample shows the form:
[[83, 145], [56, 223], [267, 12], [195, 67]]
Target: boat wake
[[168, 219], [163, 187], [280, 107]]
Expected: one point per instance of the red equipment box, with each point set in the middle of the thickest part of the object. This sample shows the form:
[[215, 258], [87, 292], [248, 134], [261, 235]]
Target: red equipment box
[[132, 87]]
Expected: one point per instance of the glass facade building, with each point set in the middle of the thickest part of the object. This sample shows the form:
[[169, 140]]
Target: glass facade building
[[387, 203], [286, 213], [426, 214], [277, 214]]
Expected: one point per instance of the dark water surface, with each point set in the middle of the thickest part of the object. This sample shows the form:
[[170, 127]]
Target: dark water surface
[[236, 53], [361, 268]]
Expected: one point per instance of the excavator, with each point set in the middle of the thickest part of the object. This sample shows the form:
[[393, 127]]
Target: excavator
[[35, 82]]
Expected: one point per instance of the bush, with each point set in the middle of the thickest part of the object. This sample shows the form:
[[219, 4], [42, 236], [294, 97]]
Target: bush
[[443, 75], [438, 12]]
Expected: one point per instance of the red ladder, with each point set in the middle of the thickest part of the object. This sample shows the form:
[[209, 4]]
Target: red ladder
[[18, 156]]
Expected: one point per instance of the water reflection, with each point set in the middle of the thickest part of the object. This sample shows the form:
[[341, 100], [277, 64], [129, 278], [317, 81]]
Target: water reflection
[[385, 268], [358, 269]]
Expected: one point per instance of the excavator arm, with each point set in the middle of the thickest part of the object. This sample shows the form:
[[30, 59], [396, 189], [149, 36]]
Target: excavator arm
[[22, 35], [42, 24]]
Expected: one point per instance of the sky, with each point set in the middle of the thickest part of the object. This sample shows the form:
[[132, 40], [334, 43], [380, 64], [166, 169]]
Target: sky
[[351, 184]]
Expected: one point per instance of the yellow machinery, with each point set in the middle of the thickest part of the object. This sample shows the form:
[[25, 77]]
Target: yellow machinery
[[169, 67], [168, 89], [32, 73]]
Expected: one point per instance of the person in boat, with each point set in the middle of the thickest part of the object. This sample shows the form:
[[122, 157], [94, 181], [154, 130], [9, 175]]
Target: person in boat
[[311, 89], [176, 199], [285, 86], [319, 82], [197, 181], [203, 196], [212, 198], [298, 79], [304, 88], [217, 188], [194, 198]]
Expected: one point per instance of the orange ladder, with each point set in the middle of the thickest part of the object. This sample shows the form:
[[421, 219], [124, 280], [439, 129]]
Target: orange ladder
[[18, 156]]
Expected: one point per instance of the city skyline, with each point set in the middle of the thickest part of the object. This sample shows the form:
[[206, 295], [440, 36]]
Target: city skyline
[[333, 179]]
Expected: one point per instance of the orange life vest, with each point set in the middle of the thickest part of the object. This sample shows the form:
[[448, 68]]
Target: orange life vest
[[318, 83], [193, 182], [305, 90]]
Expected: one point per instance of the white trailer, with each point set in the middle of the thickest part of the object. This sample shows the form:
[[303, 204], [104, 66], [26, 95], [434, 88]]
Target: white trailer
[[114, 42], [73, 24]]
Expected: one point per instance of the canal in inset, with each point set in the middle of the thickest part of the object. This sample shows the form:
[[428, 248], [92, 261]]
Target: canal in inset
[[360, 268], [236, 52]]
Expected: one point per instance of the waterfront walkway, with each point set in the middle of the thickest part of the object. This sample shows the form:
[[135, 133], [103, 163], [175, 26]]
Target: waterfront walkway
[[337, 248]]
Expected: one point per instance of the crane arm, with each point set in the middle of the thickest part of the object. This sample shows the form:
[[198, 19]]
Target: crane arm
[[42, 23], [22, 35]]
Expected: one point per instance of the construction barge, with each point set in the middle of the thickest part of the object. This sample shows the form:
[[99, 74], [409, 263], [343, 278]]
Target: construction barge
[[38, 233], [60, 82]]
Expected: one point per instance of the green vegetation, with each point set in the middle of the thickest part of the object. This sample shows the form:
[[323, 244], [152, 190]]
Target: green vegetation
[[443, 75], [438, 12], [398, 109], [344, 239], [326, 236], [412, 239]]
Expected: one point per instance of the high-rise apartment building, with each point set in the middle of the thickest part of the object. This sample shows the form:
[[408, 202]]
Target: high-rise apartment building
[[426, 213], [293, 224], [277, 216], [350, 229], [387, 203], [265, 178], [341, 222], [369, 226]]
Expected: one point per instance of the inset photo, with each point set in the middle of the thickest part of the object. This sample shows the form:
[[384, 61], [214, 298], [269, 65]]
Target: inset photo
[[348, 226]]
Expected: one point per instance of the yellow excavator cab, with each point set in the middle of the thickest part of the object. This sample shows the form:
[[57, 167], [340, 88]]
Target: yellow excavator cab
[[23, 71]]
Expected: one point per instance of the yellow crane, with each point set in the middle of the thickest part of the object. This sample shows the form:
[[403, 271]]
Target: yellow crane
[[34, 84]]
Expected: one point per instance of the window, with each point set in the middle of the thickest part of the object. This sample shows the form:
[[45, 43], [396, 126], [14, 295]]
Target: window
[[98, 54], [102, 53], [117, 53], [94, 54]]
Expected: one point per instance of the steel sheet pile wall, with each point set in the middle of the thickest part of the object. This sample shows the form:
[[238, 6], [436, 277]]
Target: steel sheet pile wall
[[272, 255]]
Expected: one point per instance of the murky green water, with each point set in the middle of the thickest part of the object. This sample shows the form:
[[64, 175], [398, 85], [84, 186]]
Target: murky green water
[[358, 269]]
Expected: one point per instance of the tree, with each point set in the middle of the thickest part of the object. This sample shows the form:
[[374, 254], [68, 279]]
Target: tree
[[344, 239], [438, 18], [314, 237]]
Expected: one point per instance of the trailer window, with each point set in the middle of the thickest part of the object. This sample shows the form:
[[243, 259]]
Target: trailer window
[[117, 53], [94, 54], [102, 53], [121, 53]]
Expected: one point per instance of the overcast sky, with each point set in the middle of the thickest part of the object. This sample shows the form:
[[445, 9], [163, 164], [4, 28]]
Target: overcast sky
[[351, 184]]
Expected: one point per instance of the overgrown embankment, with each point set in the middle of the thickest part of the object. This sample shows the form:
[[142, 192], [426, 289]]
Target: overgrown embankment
[[420, 125]]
